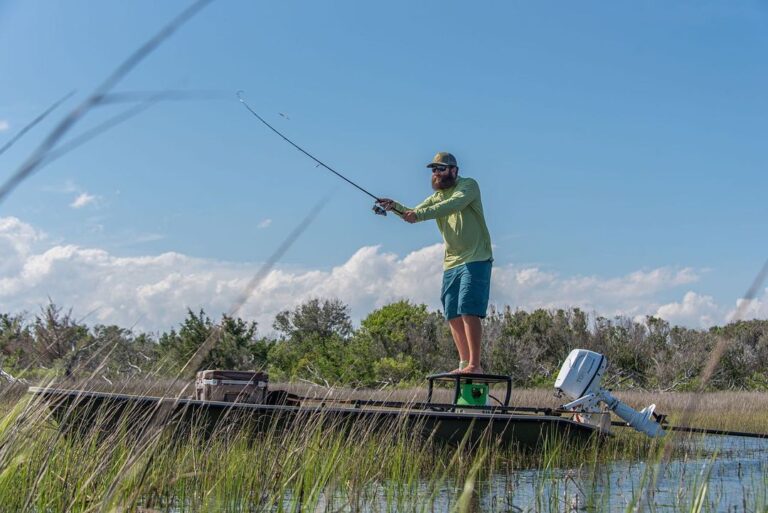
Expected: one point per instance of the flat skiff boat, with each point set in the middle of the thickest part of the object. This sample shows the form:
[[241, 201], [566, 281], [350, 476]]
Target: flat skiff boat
[[226, 398], [230, 398]]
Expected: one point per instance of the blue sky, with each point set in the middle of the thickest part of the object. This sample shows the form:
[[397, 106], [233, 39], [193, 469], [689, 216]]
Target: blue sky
[[620, 149]]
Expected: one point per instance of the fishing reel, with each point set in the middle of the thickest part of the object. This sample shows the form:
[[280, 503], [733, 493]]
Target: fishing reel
[[379, 210]]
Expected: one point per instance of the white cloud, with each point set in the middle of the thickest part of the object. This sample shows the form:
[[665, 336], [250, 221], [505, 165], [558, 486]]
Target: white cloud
[[18, 235], [631, 294], [695, 310], [4, 125], [755, 309], [17, 242], [264, 223], [82, 200], [153, 292]]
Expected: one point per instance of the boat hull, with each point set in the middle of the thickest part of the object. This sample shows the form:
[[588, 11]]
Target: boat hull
[[78, 410]]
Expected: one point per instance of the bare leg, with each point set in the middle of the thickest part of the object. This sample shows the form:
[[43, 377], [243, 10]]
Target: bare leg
[[473, 334], [460, 338]]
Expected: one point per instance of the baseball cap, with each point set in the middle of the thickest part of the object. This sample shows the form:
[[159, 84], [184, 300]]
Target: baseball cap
[[443, 158]]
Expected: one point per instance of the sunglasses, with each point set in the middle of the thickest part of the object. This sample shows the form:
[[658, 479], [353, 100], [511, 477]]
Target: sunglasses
[[439, 169]]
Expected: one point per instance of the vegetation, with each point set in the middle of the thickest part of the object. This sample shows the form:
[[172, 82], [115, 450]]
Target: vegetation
[[146, 466], [150, 464], [398, 343]]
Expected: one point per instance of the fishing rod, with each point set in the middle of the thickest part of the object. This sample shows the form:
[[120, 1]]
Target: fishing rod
[[376, 208]]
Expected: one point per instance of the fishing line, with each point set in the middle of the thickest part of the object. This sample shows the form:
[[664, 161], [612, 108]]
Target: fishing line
[[377, 209]]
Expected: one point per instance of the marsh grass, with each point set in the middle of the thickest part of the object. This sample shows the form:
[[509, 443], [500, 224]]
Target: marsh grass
[[312, 465]]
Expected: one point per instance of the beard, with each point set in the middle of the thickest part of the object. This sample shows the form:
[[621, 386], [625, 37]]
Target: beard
[[442, 181]]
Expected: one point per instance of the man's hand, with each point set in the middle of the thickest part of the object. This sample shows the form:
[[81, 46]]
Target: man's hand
[[386, 203], [408, 216]]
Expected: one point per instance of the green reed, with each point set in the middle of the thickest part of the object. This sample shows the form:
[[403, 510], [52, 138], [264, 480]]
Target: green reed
[[131, 464]]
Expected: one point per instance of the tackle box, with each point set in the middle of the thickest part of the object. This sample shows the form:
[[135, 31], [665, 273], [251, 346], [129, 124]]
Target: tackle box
[[231, 386]]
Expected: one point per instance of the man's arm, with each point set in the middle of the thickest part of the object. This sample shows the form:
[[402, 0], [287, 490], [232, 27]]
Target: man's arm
[[391, 205], [466, 192]]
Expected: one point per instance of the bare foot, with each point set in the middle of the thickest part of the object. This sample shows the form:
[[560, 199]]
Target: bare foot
[[472, 369], [462, 364]]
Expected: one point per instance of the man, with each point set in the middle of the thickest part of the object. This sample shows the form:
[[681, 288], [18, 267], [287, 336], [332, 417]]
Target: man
[[458, 210]]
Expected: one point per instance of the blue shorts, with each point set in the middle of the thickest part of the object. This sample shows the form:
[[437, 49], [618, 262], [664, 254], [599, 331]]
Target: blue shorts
[[466, 289]]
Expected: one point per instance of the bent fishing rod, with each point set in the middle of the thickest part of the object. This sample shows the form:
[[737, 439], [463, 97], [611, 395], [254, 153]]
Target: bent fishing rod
[[376, 208]]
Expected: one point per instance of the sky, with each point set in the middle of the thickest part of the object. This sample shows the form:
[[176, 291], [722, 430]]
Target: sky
[[620, 148]]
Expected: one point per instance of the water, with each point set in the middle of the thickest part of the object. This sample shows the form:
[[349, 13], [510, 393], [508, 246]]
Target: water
[[724, 474], [719, 474]]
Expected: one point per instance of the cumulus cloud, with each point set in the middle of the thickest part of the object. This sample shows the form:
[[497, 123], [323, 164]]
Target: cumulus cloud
[[153, 292], [632, 294], [755, 309], [17, 240], [18, 235], [264, 223], [82, 200], [4, 125], [694, 310]]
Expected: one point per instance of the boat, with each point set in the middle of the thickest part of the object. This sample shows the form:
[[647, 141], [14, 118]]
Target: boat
[[226, 398], [453, 423]]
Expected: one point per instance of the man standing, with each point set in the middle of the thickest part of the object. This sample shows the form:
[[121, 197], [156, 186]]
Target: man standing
[[458, 210]]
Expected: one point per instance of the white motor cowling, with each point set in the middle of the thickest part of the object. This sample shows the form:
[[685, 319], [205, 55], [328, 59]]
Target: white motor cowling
[[580, 379]]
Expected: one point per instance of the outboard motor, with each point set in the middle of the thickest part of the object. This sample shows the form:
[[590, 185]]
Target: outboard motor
[[579, 379]]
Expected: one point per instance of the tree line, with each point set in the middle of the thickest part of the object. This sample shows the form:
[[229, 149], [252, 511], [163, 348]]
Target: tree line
[[398, 343]]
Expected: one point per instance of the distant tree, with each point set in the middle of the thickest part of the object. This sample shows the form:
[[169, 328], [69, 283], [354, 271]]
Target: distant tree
[[396, 328], [313, 342], [324, 318], [402, 339], [625, 344], [56, 342], [516, 350], [396, 370], [679, 364], [16, 341], [178, 347], [745, 360], [234, 346], [530, 346], [60, 341], [399, 342], [123, 354]]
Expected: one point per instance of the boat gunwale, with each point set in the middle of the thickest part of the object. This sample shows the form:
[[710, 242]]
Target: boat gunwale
[[301, 409]]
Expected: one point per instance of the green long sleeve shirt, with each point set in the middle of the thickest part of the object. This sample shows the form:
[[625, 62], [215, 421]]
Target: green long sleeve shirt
[[458, 212]]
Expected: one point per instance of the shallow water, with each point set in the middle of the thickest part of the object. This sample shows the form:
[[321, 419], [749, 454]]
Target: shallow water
[[728, 473], [719, 474]]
